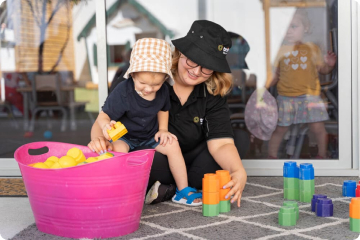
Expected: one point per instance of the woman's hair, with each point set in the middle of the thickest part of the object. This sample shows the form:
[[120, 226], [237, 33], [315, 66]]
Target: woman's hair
[[218, 82]]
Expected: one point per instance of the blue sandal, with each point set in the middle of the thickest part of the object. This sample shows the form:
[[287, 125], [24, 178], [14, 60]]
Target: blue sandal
[[183, 197]]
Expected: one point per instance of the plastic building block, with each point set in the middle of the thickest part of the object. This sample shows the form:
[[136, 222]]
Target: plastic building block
[[294, 205], [287, 216], [290, 170], [105, 156], [355, 225], [354, 208], [210, 210], [306, 171], [117, 131], [357, 191], [223, 193], [349, 188], [224, 177], [77, 154], [291, 193], [324, 207], [306, 196], [211, 197], [291, 183], [306, 185], [314, 200], [210, 183], [224, 206]]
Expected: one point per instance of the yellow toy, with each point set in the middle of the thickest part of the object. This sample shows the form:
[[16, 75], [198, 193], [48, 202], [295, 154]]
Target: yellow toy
[[40, 165], [77, 154], [67, 161], [105, 156], [117, 131]]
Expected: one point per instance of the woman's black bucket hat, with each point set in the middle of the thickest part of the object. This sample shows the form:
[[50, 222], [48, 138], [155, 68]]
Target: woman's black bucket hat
[[206, 44]]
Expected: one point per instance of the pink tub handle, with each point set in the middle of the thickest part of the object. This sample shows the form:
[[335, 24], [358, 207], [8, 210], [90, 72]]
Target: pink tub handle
[[137, 160]]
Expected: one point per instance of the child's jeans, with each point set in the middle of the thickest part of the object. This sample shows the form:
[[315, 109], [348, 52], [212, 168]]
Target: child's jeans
[[133, 143]]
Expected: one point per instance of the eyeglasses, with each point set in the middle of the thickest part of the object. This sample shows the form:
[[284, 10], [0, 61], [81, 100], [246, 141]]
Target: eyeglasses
[[191, 64]]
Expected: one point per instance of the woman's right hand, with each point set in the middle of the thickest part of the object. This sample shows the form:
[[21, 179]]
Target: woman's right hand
[[100, 145]]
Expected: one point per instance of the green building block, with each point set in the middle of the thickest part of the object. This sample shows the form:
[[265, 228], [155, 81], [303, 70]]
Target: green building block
[[294, 205], [291, 183], [291, 193], [306, 196], [306, 185], [210, 210], [355, 225], [224, 206], [287, 216]]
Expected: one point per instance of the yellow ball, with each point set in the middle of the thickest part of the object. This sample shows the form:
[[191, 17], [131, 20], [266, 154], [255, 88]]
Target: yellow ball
[[56, 165], [67, 161], [40, 165], [53, 159], [77, 154]]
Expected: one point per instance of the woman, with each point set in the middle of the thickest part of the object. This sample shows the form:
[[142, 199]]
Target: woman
[[199, 114]]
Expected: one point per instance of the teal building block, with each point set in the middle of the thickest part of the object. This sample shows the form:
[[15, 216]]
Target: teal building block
[[294, 205], [287, 216], [291, 193], [355, 225], [210, 210]]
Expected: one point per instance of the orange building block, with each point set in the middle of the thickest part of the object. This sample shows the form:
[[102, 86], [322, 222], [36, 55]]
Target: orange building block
[[117, 131], [210, 183], [211, 197], [354, 208], [223, 193], [224, 177]]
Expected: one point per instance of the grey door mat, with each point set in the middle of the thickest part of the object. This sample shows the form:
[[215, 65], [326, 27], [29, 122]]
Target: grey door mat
[[255, 219]]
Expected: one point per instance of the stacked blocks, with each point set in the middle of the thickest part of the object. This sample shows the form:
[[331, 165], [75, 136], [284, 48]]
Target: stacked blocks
[[354, 214], [306, 182], [287, 216], [291, 181], [324, 207], [357, 191], [314, 201], [117, 131], [349, 188], [224, 178], [211, 195], [294, 205]]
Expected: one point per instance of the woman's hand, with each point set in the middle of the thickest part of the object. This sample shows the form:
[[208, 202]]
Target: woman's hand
[[237, 185], [165, 137], [100, 145]]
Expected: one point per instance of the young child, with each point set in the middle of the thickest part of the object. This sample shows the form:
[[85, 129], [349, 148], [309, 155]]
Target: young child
[[142, 103], [297, 67]]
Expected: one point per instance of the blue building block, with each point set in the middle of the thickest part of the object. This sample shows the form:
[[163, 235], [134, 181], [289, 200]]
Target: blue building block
[[314, 200], [290, 170], [324, 207], [348, 189], [306, 171]]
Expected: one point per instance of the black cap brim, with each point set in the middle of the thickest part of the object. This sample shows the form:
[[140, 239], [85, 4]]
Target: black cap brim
[[204, 59]]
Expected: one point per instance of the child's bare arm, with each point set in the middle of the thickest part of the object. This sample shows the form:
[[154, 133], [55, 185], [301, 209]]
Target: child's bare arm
[[274, 80], [105, 123], [163, 133], [329, 63]]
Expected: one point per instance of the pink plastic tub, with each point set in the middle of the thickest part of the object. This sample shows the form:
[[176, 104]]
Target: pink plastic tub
[[97, 200]]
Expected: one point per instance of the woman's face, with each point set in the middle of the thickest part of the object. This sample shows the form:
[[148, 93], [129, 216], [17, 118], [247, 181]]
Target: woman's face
[[190, 76]]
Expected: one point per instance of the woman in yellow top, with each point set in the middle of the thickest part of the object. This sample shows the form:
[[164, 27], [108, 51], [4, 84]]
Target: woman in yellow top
[[297, 67]]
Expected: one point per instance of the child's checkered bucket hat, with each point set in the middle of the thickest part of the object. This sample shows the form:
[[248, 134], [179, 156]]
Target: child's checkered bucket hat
[[151, 55]]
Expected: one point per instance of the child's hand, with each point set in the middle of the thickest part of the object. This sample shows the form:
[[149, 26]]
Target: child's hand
[[106, 127], [165, 137], [330, 59]]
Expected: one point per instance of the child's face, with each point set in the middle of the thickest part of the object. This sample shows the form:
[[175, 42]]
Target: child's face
[[148, 82], [296, 30]]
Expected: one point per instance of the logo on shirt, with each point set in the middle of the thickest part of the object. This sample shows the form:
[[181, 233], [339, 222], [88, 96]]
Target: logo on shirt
[[196, 119]]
